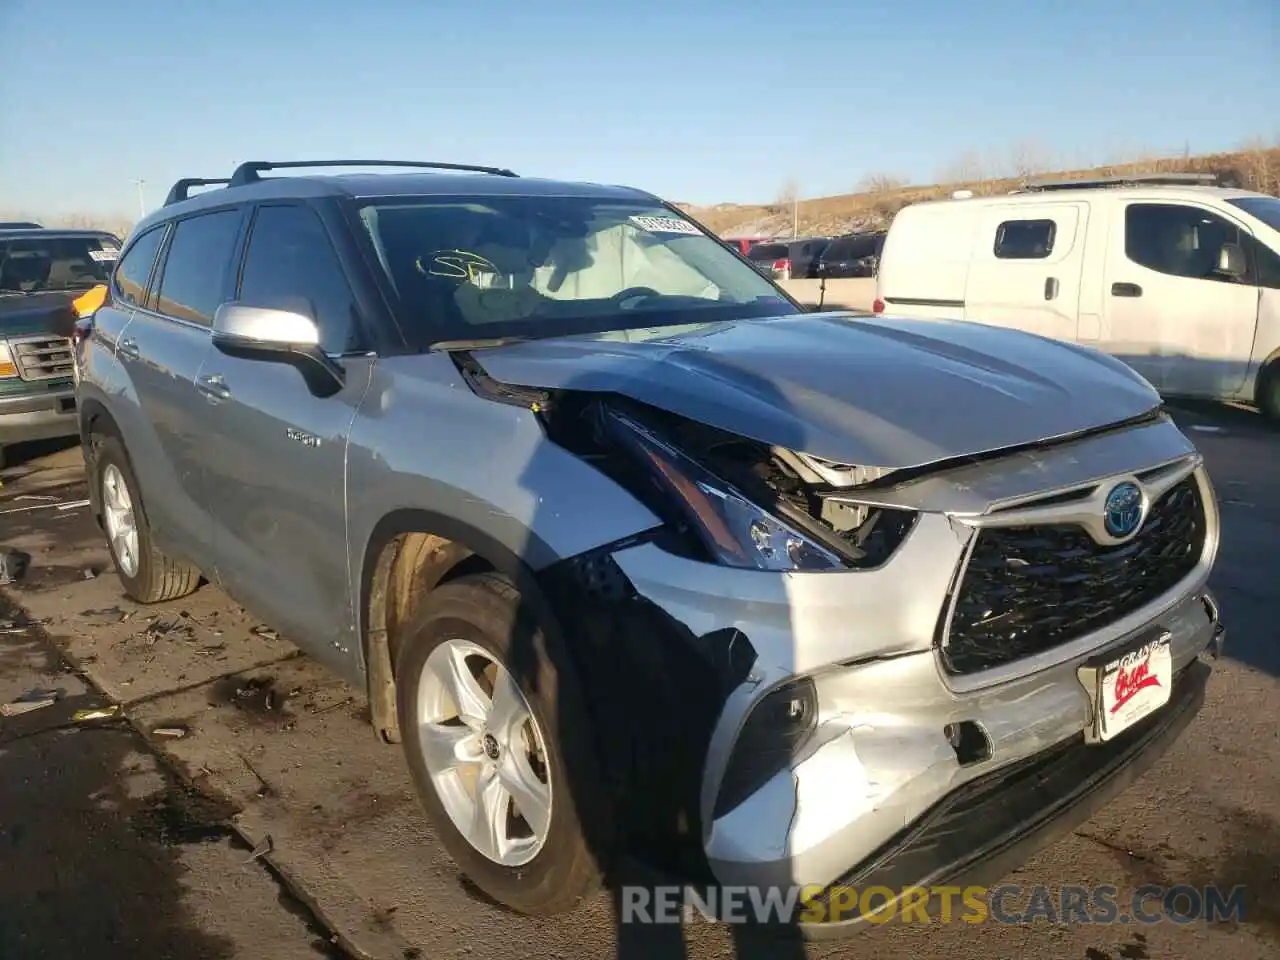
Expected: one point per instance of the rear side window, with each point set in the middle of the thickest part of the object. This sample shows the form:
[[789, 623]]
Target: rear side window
[[1177, 240], [194, 279], [1024, 239], [134, 270], [291, 265]]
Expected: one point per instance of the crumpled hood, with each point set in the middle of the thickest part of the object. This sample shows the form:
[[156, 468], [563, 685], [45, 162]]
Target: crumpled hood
[[34, 313], [883, 392]]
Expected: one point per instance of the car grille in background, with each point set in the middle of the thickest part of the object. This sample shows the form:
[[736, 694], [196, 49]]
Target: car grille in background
[[1028, 589], [44, 359]]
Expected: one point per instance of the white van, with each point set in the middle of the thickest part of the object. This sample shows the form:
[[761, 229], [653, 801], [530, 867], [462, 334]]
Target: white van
[[1179, 279]]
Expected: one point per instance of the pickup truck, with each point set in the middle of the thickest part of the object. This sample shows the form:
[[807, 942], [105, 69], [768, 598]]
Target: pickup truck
[[43, 274]]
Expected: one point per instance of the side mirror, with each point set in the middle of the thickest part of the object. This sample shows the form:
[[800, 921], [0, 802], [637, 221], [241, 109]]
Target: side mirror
[[277, 336], [1231, 261]]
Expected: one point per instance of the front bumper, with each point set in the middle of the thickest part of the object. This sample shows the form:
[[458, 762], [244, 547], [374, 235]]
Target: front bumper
[[984, 830], [45, 415]]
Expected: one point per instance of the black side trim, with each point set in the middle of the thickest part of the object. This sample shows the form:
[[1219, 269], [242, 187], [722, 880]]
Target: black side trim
[[923, 302]]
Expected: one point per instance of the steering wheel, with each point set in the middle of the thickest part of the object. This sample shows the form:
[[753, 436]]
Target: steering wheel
[[633, 293]]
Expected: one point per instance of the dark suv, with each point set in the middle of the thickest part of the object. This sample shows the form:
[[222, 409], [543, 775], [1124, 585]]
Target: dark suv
[[851, 256], [788, 259]]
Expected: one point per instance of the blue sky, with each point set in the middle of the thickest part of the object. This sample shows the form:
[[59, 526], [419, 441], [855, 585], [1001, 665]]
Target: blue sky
[[697, 100]]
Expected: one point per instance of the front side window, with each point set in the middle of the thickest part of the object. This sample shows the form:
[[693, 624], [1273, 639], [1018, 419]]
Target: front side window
[[193, 283], [64, 263], [134, 272], [291, 265], [485, 267], [1025, 239], [1177, 240]]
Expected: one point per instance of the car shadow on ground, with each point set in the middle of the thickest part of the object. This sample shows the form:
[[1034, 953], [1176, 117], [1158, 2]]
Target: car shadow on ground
[[92, 831]]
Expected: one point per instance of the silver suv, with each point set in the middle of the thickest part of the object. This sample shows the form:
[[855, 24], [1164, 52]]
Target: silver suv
[[630, 552]]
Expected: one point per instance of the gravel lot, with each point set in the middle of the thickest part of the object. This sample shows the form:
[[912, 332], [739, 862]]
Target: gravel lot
[[122, 842]]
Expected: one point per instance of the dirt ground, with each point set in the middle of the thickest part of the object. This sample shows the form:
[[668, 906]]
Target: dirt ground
[[121, 841]]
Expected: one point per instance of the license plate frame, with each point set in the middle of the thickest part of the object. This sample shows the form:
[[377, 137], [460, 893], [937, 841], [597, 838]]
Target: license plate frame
[[1147, 661]]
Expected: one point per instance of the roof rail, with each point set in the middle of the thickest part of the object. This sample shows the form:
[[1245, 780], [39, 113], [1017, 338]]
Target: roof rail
[[179, 191], [1130, 180], [248, 172]]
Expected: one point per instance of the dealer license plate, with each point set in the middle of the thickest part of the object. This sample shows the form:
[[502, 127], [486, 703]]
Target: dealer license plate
[[1129, 684]]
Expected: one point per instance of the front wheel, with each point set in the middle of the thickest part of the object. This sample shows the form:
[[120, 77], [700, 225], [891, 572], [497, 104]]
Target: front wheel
[[495, 738], [1269, 393]]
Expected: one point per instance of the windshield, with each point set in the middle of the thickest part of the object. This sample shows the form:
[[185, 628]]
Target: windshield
[[484, 267], [39, 264], [1266, 209]]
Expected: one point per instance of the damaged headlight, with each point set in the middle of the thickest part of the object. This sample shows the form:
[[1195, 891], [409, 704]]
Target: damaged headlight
[[736, 531]]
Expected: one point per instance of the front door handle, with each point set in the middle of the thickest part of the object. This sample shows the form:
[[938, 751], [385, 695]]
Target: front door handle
[[1126, 290], [127, 347], [213, 386], [1050, 287]]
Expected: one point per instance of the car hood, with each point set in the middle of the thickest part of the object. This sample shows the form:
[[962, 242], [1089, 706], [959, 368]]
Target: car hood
[[884, 392], [34, 313]]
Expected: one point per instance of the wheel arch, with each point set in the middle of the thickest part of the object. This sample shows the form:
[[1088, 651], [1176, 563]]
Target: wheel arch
[[409, 553]]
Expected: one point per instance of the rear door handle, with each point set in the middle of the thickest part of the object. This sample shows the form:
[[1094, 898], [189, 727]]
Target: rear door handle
[[1126, 290], [213, 386], [127, 347], [1050, 287]]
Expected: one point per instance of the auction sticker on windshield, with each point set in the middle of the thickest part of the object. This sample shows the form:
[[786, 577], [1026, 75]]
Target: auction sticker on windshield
[[1132, 685], [106, 253], [666, 225]]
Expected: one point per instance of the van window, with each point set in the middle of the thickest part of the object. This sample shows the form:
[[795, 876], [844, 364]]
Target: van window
[[1178, 240], [769, 251], [1025, 239], [1265, 263], [192, 286]]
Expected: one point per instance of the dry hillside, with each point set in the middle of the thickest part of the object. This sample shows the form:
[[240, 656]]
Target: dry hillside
[[1255, 168]]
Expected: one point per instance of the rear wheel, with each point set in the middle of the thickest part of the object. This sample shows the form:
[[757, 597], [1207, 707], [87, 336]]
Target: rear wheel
[[496, 742], [147, 574]]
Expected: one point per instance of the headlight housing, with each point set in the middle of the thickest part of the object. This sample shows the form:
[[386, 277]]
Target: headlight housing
[[8, 369], [736, 531]]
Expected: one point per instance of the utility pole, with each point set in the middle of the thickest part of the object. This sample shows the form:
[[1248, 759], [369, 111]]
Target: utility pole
[[795, 215], [142, 203]]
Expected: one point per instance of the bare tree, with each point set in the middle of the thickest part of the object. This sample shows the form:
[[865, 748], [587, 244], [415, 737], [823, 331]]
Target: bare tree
[[880, 183], [967, 168], [1028, 159]]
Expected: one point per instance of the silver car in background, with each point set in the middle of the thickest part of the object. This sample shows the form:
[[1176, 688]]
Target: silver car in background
[[631, 553]]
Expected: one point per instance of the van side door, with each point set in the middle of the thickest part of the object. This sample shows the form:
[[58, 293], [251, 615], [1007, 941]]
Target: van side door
[[1026, 267], [1169, 308]]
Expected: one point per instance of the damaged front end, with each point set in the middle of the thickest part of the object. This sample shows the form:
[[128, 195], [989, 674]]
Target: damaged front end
[[769, 667]]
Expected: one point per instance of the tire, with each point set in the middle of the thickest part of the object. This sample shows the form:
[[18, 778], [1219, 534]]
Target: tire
[[149, 576], [1269, 393], [466, 621]]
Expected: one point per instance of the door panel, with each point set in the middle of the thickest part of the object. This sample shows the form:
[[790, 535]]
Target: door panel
[[1025, 271], [276, 474], [160, 359], [275, 470], [1168, 314]]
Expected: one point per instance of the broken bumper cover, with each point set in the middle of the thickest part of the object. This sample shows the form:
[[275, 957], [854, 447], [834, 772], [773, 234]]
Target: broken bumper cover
[[984, 830], [880, 777]]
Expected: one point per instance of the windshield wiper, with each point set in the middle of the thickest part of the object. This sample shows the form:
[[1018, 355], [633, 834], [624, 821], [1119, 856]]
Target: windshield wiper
[[480, 343]]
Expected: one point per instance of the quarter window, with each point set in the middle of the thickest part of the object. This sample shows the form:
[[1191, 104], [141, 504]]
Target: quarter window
[[1177, 240], [291, 265], [193, 283], [134, 271], [1025, 239]]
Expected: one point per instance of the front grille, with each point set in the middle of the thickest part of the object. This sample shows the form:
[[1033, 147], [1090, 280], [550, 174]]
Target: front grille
[[1028, 589], [44, 359]]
